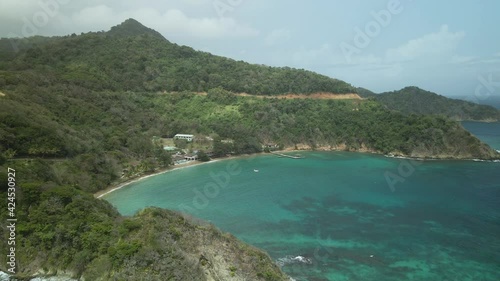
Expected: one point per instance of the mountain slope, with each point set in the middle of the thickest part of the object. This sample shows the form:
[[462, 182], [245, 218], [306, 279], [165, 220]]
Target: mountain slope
[[133, 57], [415, 100], [365, 93]]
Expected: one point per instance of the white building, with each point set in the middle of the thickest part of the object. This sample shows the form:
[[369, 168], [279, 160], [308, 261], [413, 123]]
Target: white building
[[184, 137]]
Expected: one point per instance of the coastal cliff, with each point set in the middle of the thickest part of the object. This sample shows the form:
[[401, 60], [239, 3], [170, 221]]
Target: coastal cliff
[[70, 234]]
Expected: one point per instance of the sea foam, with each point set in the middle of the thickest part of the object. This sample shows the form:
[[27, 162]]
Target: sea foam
[[293, 260]]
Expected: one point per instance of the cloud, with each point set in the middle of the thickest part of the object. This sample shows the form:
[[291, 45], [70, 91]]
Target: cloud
[[175, 21], [405, 60], [277, 36], [17, 9], [171, 22], [325, 54], [442, 42], [314, 56], [462, 59], [196, 3], [101, 16], [491, 60]]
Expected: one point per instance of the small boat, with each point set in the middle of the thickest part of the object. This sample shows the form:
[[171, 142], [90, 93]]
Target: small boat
[[255, 170]]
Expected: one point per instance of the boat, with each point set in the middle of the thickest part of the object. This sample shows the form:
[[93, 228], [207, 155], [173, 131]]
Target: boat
[[255, 170]]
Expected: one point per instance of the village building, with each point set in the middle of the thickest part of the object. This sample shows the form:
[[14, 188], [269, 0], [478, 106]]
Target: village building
[[189, 138], [191, 157]]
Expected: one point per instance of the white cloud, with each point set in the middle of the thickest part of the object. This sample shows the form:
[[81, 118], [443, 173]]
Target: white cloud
[[101, 16], [366, 59], [175, 21], [462, 59], [278, 35], [17, 9], [442, 42], [494, 60], [171, 22], [196, 3]]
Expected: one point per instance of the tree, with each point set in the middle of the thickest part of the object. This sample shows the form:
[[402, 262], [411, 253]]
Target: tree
[[182, 144], [221, 149], [202, 156], [163, 157]]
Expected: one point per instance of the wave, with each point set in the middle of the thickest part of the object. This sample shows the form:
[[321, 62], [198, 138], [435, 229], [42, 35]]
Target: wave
[[293, 260], [437, 159], [481, 160], [406, 157]]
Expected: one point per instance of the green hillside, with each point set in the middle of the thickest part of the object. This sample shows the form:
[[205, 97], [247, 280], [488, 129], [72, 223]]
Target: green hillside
[[133, 57], [365, 93], [418, 101], [81, 113]]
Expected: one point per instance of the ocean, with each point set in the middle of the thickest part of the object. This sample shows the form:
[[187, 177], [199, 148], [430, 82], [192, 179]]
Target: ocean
[[346, 216]]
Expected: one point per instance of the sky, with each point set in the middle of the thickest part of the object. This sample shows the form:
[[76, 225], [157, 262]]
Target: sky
[[448, 47]]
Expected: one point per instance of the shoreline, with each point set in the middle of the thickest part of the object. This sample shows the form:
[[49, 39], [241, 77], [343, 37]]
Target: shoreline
[[114, 187], [389, 155]]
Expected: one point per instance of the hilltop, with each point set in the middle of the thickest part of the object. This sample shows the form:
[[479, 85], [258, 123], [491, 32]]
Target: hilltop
[[133, 57]]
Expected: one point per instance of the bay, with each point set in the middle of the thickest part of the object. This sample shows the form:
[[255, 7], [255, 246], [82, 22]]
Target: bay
[[345, 216]]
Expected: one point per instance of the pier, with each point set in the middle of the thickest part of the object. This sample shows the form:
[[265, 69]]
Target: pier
[[288, 156]]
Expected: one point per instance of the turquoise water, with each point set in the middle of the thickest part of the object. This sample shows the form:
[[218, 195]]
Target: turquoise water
[[337, 210]]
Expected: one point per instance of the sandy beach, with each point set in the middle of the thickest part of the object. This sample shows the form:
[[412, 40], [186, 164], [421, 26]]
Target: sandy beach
[[114, 187], [118, 186]]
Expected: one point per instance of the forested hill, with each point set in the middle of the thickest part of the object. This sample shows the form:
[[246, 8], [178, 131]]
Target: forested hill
[[133, 57], [418, 101], [81, 113]]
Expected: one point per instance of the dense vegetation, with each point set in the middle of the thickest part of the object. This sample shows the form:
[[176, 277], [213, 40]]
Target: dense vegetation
[[365, 93], [133, 57], [79, 113], [96, 135], [418, 101]]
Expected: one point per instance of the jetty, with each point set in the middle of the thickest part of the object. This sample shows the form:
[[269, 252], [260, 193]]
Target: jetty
[[285, 155]]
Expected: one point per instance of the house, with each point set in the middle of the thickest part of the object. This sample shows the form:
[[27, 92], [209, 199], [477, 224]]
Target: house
[[189, 138], [271, 145], [191, 157]]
